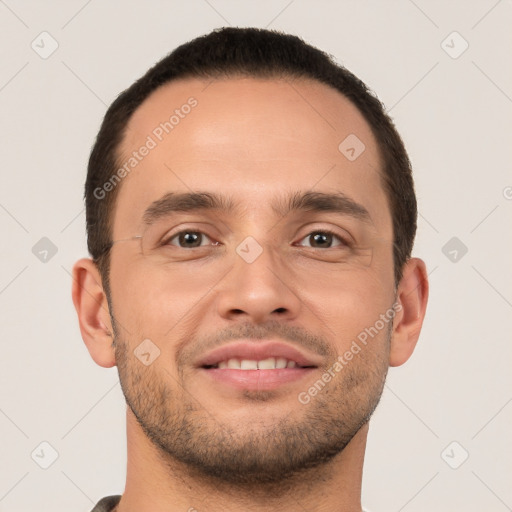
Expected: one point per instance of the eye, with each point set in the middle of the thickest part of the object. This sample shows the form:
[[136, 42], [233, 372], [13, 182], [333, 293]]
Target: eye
[[189, 239], [192, 239], [324, 238]]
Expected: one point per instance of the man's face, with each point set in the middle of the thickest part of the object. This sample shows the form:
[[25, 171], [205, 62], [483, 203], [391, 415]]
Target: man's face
[[289, 286]]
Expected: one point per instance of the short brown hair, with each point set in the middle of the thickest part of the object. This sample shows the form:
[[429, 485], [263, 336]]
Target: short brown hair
[[259, 53]]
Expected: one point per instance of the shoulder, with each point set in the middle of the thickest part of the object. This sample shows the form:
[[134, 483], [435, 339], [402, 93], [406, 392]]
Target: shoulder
[[107, 503]]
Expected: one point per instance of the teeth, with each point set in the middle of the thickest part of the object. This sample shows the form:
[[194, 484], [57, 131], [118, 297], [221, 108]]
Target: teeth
[[248, 364], [270, 363], [267, 364], [234, 363], [281, 362]]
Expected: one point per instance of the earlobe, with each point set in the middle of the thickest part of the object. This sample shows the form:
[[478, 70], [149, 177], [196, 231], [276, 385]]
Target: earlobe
[[412, 298], [92, 309]]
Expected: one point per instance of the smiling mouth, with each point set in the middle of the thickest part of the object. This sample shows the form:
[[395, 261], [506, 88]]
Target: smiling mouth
[[270, 363]]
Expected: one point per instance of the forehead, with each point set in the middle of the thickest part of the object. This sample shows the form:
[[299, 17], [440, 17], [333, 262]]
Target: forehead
[[247, 138]]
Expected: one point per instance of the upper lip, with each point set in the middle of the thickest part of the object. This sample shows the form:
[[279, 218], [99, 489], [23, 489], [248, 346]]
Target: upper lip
[[257, 350]]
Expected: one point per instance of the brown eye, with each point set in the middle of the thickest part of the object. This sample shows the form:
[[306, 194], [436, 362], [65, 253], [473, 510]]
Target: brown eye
[[189, 239], [324, 239]]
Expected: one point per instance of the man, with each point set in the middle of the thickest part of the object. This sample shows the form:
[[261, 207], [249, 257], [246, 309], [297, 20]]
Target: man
[[251, 361]]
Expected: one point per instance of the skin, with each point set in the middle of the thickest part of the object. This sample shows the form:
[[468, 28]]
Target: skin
[[199, 445]]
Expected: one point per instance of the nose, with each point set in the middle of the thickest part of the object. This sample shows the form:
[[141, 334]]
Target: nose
[[258, 291]]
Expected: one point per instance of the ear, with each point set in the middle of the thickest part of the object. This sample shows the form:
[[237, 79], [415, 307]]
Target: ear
[[412, 297], [92, 308]]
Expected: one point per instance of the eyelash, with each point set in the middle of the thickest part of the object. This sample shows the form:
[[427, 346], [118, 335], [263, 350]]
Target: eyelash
[[329, 232], [316, 231]]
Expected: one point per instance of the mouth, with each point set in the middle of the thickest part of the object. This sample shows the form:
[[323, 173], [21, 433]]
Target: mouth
[[270, 363], [257, 365]]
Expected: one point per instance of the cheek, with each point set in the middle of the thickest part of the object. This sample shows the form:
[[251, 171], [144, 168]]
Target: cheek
[[349, 305], [159, 302], [155, 302]]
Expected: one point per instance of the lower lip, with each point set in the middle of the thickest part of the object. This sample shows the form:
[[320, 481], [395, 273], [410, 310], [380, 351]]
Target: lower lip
[[260, 380]]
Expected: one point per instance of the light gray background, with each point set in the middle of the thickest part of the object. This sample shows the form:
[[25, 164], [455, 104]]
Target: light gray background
[[455, 117]]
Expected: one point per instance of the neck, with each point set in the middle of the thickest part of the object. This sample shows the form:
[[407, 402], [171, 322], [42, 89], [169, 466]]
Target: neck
[[155, 484]]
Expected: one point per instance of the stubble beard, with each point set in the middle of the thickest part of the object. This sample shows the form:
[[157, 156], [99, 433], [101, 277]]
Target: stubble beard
[[259, 453]]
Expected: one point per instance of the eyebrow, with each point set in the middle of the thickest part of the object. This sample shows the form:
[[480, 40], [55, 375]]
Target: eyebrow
[[303, 201]]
